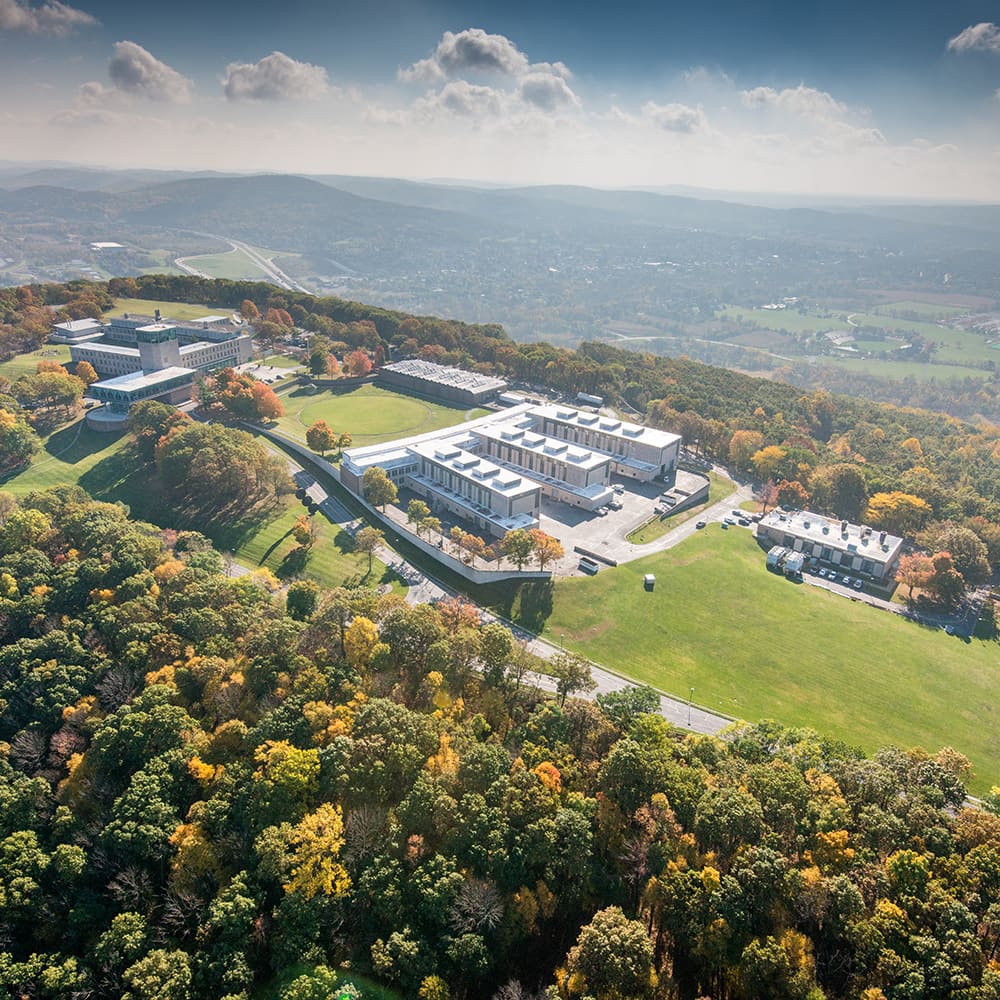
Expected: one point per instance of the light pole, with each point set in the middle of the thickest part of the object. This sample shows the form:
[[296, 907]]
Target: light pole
[[690, 699]]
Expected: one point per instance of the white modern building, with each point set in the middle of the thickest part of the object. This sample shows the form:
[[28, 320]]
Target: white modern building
[[493, 471], [852, 548], [117, 347]]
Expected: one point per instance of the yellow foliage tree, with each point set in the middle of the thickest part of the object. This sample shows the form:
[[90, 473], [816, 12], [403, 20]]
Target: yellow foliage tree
[[360, 640], [316, 843]]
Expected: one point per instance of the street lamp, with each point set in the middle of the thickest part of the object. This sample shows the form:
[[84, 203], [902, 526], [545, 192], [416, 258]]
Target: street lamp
[[690, 699]]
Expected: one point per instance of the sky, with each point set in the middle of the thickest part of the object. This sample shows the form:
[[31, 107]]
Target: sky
[[864, 98]]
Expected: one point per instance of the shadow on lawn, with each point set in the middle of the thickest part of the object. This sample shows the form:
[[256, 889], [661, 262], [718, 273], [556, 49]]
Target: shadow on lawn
[[528, 603]]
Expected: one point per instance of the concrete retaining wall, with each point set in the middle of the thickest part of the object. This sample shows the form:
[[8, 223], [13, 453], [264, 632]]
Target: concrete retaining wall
[[472, 574]]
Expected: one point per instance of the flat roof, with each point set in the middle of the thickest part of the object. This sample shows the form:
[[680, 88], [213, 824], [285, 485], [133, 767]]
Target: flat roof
[[132, 352], [511, 433], [858, 539], [105, 245], [142, 380], [622, 429], [476, 469], [459, 378], [79, 325]]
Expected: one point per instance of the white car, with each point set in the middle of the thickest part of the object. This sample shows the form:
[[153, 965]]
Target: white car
[[618, 488]]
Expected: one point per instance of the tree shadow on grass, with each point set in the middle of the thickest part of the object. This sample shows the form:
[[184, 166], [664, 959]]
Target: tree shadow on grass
[[344, 541], [527, 603], [73, 443]]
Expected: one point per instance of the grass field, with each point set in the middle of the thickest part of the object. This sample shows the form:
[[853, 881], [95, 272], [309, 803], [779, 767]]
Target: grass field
[[786, 319], [25, 364], [232, 264], [925, 310], [754, 645], [719, 487], [169, 310], [98, 463], [369, 414], [908, 369]]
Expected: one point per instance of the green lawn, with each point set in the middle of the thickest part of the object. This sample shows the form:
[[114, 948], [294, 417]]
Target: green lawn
[[282, 361], [233, 264], [754, 645], [786, 319], [925, 310], [369, 414], [100, 464], [26, 364], [169, 310], [918, 370], [719, 487]]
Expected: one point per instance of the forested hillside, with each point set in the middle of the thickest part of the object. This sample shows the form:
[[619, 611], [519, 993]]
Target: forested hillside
[[208, 791]]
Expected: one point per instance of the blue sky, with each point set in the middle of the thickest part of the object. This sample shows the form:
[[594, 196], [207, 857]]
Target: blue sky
[[848, 98]]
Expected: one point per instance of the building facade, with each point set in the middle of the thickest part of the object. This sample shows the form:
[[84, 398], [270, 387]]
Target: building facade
[[453, 385], [494, 471], [852, 548]]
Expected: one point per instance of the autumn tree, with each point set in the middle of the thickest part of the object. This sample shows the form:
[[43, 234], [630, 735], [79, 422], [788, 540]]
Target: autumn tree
[[417, 513], [792, 494], [743, 445], [249, 311], [898, 513], [968, 553], [766, 461], [357, 364], [368, 540], [84, 371], [18, 442], [546, 548], [945, 582], [378, 488], [320, 437], [914, 571], [316, 841], [517, 546]]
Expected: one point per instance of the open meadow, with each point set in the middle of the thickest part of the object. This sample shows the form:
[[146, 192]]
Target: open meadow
[[755, 645], [27, 364], [369, 414], [169, 310]]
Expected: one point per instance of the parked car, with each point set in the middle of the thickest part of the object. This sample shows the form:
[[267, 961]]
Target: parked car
[[858, 584], [618, 488], [615, 504], [743, 522], [822, 572], [699, 525], [832, 577], [602, 511], [725, 526], [736, 513]]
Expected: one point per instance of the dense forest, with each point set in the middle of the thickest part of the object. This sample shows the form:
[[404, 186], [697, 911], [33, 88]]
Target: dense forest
[[209, 789]]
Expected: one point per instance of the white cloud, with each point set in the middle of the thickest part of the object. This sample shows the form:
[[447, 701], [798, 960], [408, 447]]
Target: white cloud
[[477, 52], [276, 77], [133, 70], [801, 100], [466, 100], [547, 91], [984, 36], [51, 18], [675, 117]]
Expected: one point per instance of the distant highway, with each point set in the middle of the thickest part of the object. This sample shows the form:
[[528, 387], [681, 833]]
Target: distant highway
[[272, 272]]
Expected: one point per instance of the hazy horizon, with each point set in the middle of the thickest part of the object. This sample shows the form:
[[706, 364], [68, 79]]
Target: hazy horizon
[[852, 103]]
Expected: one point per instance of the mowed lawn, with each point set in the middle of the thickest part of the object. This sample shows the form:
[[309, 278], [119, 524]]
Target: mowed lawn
[[369, 414], [169, 310], [27, 364], [754, 645]]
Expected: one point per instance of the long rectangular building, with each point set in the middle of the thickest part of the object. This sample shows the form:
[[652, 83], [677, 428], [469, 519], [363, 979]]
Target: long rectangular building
[[454, 385], [493, 471], [853, 548]]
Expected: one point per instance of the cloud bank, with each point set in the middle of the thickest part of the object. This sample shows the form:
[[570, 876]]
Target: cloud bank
[[52, 18], [276, 77]]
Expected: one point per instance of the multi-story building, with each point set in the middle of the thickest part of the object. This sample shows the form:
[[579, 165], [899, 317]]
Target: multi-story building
[[454, 385], [493, 471], [853, 548]]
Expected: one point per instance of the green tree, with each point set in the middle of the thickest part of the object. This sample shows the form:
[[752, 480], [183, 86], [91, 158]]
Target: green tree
[[572, 673], [612, 957], [301, 599], [368, 540], [517, 546]]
